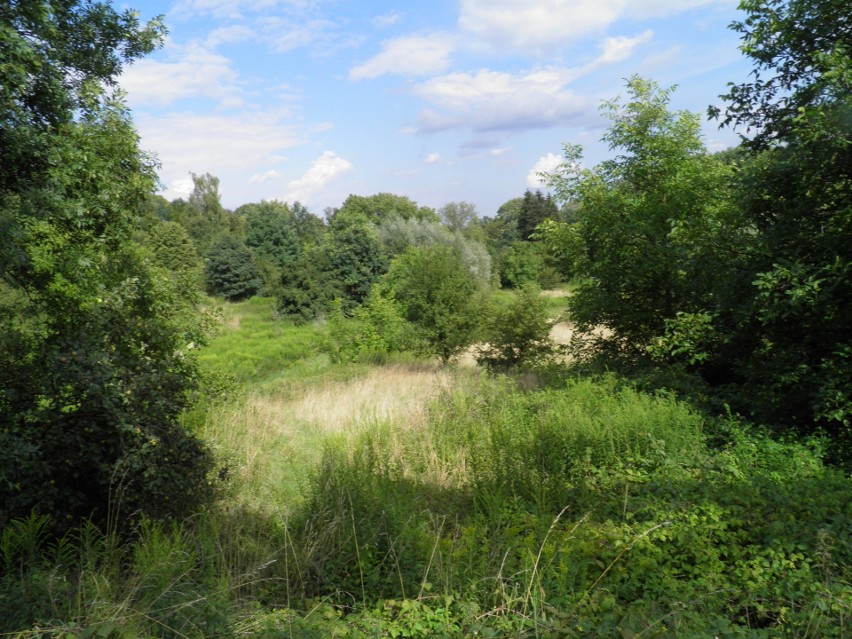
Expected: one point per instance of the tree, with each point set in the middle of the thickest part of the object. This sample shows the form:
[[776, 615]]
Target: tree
[[783, 332], [382, 206], [307, 289], [439, 296], [271, 231], [231, 271], [173, 250], [203, 215], [458, 216], [94, 361], [655, 222], [535, 209], [522, 265], [356, 259], [518, 334]]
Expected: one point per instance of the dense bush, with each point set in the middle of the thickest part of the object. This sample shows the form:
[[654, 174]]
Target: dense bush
[[518, 334], [231, 270]]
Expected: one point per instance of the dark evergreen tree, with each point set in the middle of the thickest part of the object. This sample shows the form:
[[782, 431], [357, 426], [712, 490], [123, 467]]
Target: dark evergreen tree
[[231, 271], [536, 208]]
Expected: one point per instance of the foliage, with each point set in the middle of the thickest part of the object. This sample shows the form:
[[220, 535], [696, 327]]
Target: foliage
[[307, 287], [439, 296], [800, 51], [535, 209], [586, 506], [173, 250], [656, 222], [271, 232], [522, 265], [458, 216], [355, 259], [95, 367], [782, 331], [372, 330], [380, 207], [398, 234], [203, 216], [518, 335], [231, 271]]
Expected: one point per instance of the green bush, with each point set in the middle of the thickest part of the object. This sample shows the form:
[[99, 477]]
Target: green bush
[[518, 334]]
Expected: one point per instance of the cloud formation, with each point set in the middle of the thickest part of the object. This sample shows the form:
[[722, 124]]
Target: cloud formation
[[409, 56], [322, 171], [218, 144], [547, 26], [191, 71], [499, 101], [545, 164]]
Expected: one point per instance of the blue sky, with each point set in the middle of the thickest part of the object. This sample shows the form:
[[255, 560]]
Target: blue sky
[[312, 100]]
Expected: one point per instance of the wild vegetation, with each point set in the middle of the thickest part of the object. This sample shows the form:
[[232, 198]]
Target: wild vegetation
[[358, 434]]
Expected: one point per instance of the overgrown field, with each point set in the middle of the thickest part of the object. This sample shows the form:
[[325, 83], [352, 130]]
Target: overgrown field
[[413, 500]]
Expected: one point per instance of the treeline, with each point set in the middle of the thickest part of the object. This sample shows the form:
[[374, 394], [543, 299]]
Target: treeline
[[283, 250]]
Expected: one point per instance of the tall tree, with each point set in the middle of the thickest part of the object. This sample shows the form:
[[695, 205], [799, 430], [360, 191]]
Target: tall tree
[[439, 296], [94, 368], [651, 220], [535, 209], [458, 216], [786, 327]]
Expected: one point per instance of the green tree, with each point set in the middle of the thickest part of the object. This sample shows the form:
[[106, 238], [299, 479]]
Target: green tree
[[782, 334], [518, 334], [355, 257], [173, 250], [439, 296], [655, 222], [307, 289], [94, 361], [271, 231], [522, 265], [203, 215], [383, 206], [535, 209], [458, 216], [231, 270]]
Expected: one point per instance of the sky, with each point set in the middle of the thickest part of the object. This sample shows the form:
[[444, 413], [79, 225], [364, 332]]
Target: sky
[[441, 101]]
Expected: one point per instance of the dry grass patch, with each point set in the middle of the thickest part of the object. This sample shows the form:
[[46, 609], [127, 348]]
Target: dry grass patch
[[272, 438]]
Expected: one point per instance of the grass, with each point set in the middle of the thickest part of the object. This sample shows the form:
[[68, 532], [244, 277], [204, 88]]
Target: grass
[[407, 500], [254, 347]]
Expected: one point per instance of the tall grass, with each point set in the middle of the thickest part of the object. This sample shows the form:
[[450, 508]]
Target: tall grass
[[412, 501]]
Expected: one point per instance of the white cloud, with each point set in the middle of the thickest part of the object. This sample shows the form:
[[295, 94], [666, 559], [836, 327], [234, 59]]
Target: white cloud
[[260, 178], [545, 164], [432, 158], [498, 152], [550, 25], [386, 20], [229, 35], [225, 9], [219, 144], [288, 35], [494, 101], [536, 26], [409, 55], [192, 72], [323, 170], [621, 47]]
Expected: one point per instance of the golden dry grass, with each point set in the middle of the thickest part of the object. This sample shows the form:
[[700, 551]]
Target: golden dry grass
[[272, 438]]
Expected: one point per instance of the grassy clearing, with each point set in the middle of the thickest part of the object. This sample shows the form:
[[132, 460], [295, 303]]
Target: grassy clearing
[[407, 500], [273, 436], [253, 346]]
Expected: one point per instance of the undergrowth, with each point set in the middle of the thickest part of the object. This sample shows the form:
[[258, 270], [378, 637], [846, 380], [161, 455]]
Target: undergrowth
[[410, 501]]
